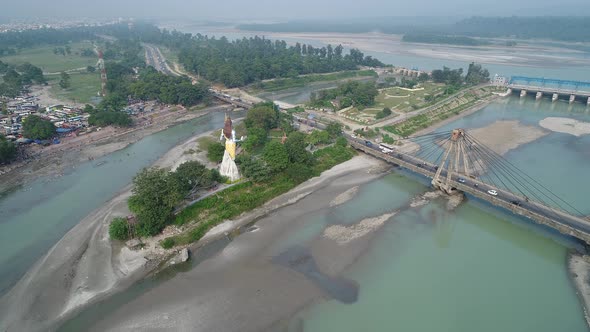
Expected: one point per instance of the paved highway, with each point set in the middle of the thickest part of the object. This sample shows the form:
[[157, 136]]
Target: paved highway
[[154, 58]]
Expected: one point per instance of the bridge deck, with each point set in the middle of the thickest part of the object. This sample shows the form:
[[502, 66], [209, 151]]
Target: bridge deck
[[561, 221]]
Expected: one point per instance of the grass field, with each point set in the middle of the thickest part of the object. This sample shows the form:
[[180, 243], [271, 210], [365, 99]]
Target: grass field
[[405, 100], [44, 58], [83, 87], [301, 81], [451, 107]]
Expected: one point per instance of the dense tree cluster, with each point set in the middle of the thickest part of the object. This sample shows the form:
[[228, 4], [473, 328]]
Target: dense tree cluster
[[476, 74], [353, 93], [448, 76], [35, 127], [14, 40], [245, 61], [157, 192], [153, 85], [16, 77], [7, 150]]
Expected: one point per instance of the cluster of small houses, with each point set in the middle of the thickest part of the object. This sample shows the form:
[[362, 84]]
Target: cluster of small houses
[[66, 119]]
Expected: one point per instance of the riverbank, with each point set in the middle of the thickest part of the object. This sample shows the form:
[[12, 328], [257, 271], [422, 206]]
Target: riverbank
[[55, 159], [578, 266], [94, 269], [84, 266]]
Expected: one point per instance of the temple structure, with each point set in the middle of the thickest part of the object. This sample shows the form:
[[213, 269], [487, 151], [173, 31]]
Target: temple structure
[[228, 165]]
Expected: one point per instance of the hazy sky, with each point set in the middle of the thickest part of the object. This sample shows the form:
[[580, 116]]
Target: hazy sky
[[289, 9]]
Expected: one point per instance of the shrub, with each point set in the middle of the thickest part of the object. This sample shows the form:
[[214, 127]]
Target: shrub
[[215, 152], [168, 243], [119, 229]]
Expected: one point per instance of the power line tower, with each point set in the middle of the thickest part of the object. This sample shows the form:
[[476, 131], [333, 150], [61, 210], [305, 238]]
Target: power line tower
[[103, 74], [457, 159]]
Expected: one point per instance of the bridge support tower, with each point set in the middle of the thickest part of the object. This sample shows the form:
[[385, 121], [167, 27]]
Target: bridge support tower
[[454, 160], [588, 102], [572, 98], [522, 93], [539, 95], [555, 97]]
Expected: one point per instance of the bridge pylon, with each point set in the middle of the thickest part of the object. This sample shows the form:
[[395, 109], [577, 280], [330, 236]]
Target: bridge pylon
[[454, 161]]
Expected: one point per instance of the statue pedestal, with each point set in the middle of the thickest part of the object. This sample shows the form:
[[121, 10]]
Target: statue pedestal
[[229, 168]]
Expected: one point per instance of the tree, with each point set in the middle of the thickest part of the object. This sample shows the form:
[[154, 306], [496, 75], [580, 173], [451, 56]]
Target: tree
[[254, 169], [295, 146], [119, 229], [318, 137], [334, 129], [341, 141], [153, 200], [262, 116], [423, 77], [64, 81], [299, 172], [36, 127], [191, 175], [215, 152], [7, 150], [91, 69], [476, 74], [276, 157]]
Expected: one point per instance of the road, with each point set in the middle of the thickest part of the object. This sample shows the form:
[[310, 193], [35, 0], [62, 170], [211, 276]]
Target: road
[[515, 203], [154, 58]]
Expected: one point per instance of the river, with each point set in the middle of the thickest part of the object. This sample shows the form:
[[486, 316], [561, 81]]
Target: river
[[34, 218], [476, 268]]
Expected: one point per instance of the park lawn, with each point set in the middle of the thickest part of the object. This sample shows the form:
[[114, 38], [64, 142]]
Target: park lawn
[[44, 58], [84, 86], [442, 112], [401, 100]]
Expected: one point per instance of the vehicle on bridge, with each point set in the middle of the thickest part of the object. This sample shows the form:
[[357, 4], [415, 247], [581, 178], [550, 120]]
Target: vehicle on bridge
[[493, 192], [386, 148]]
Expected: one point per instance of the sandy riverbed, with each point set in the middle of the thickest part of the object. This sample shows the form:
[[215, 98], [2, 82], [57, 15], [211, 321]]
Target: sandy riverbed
[[83, 266], [503, 136], [566, 125]]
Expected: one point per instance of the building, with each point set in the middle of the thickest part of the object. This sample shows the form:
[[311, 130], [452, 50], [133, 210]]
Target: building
[[499, 80]]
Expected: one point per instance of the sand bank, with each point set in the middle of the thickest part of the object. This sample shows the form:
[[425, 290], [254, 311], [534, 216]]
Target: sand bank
[[566, 126], [578, 266], [503, 136]]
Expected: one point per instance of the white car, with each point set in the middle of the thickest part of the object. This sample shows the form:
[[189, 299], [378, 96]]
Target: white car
[[493, 192]]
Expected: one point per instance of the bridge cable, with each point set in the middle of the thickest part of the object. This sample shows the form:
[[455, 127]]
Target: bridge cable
[[525, 176], [534, 185]]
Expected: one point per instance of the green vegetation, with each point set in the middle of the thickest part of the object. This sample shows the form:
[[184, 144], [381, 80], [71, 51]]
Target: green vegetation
[[16, 77], [388, 139], [407, 100], [35, 127], [64, 80], [383, 113], [272, 171], [301, 81], [7, 150], [50, 62], [348, 94], [451, 107], [119, 229], [105, 118], [152, 84], [157, 192], [83, 87], [215, 152], [442, 39]]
